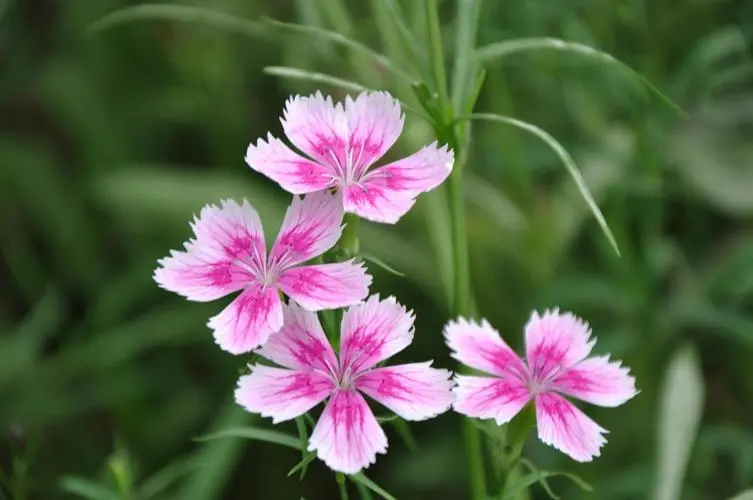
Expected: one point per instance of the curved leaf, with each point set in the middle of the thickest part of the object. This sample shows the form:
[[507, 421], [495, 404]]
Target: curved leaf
[[340, 39], [572, 169], [182, 13], [360, 478], [302, 74], [85, 488], [256, 434], [505, 48]]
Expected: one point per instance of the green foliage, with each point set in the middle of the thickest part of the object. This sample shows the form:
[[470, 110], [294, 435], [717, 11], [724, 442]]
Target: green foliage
[[121, 121]]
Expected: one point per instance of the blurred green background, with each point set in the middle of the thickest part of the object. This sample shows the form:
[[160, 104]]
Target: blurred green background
[[111, 139]]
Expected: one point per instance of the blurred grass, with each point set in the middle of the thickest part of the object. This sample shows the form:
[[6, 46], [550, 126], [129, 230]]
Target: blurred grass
[[111, 140]]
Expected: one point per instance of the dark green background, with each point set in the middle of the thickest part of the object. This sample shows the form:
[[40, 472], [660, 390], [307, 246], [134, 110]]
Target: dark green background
[[110, 141]]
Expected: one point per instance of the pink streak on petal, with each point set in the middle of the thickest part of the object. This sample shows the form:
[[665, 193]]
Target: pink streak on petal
[[326, 286], [555, 341], [347, 437], [418, 173], [249, 320], [375, 121], [281, 394], [312, 226], [597, 380], [294, 173], [227, 249], [490, 397], [371, 199], [480, 346], [568, 429], [372, 332], [414, 391], [319, 128], [301, 343]]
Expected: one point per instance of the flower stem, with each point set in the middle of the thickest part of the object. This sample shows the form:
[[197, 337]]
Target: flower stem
[[349, 243], [340, 478]]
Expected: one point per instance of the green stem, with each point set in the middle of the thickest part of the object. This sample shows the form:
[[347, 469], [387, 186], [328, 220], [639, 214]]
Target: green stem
[[349, 243], [340, 478]]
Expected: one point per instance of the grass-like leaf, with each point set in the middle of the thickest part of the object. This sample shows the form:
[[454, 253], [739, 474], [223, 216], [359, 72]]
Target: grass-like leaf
[[310, 76], [379, 262], [256, 434], [360, 478], [159, 482], [85, 488], [499, 50], [572, 169], [407, 37], [340, 39], [303, 464], [182, 13], [303, 437], [541, 476], [545, 483]]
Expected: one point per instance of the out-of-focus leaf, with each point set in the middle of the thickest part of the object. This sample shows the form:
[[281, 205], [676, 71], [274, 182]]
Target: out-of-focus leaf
[[409, 42], [745, 495], [166, 477], [500, 209], [303, 464], [568, 162], [680, 410], [85, 488], [540, 476], [182, 13], [361, 478], [465, 65], [499, 50], [255, 434], [340, 39], [712, 320], [310, 76], [303, 437]]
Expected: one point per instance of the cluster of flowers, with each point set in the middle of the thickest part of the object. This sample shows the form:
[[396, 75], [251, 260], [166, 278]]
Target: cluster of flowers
[[228, 254]]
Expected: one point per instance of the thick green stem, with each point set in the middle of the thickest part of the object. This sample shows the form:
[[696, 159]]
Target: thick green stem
[[349, 243]]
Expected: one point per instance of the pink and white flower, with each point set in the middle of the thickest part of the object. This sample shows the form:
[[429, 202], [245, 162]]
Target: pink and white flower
[[341, 143], [347, 436], [557, 364], [228, 254]]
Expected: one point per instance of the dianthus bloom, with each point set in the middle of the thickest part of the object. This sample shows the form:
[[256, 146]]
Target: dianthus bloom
[[347, 436], [229, 254], [557, 364], [342, 143]]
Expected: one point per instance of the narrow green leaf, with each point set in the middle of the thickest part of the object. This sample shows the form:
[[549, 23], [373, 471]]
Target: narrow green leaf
[[182, 13], [680, 410], [572, 169], [85, 488], [499, 50], [436, 52], [464, 67], [303, 437], [379, 262], [255, 434], [408, 39], [537, 477], [310, 76], [403, 429], [745, 495], [363, 492], [340, 39], [303, 464], [156, 484], [360, 478], [545, 483]]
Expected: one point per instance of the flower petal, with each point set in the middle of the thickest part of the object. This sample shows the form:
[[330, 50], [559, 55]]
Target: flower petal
[[555, 341], [373, 200], [597, 380], [375, 121], [386, 193], [294, 173], [372, 332], [282, 394], [312, 226], [326, 286], [228, 247], [317, 127], [347, 437], [480, 346], [249, 320], [414, 391], [568, 429], [490, 397], [301, 343]]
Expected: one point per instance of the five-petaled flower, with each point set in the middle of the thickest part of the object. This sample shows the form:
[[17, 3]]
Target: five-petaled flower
[[557, 364], [342, 142], [229, 254], [347, 436]]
